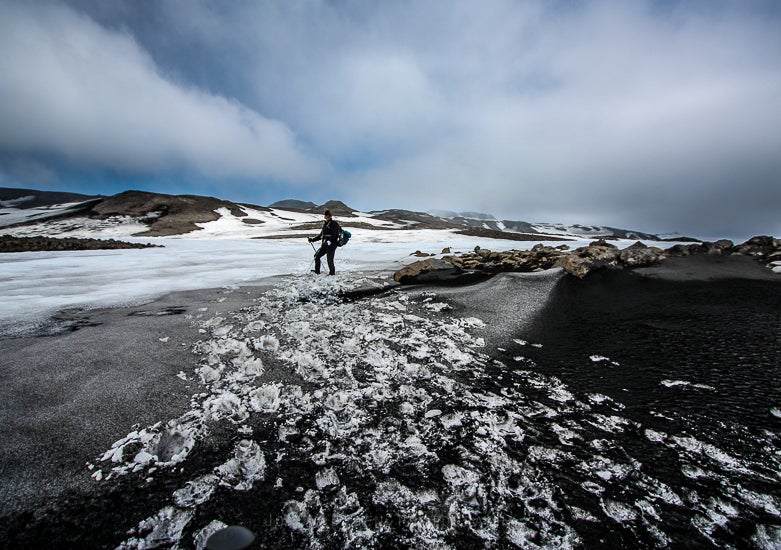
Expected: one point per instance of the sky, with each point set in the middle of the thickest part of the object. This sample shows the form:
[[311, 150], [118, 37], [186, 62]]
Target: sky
[[654, 115]]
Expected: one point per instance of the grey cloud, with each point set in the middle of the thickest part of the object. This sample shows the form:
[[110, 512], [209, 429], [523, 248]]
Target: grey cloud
[[655, 115], [73, 88]]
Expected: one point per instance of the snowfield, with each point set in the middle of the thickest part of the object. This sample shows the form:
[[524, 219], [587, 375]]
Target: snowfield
[[227, 251]]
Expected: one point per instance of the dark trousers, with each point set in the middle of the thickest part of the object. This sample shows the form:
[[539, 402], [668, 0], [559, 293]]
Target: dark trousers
[[328, 252]]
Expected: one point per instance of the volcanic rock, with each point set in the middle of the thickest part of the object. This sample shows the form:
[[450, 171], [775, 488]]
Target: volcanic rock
[[640, 254]]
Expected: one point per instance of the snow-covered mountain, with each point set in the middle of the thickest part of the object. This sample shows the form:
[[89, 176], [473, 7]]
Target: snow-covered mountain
[[136, 213]]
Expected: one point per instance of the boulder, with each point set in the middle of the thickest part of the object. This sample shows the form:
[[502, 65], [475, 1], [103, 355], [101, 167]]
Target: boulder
[[719, 248], [574, 265], [640, 254], [416, 272]]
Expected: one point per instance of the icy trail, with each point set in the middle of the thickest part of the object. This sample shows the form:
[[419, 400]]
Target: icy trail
[[416, 437]]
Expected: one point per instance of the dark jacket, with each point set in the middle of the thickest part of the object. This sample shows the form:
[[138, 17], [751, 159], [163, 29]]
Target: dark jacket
[[330, 232]]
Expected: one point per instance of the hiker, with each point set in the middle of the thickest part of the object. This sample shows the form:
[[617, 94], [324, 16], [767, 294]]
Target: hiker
[[330, 236]]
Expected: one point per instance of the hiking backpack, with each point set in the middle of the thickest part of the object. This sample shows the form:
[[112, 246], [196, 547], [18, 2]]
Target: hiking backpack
[[344, 236]]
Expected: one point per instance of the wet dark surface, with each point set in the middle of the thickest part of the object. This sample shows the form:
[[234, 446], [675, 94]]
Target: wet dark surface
[[699, 361], [724, 333]]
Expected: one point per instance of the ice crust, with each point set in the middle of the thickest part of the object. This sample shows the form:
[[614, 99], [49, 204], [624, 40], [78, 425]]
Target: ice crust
[[457, 444]]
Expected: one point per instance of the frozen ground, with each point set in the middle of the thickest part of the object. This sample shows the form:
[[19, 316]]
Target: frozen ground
[[34, 285], [414, 417]]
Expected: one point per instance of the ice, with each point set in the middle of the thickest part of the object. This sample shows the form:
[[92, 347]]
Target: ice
[[602, 359], [685, 384], [164, 528], [37, 283], [196, 492], [247, 466], [767, 537], [203, 535], [326, 478]]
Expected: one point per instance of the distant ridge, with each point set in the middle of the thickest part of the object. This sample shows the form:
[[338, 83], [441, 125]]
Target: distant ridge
[[336, 207], [167, 215], [293, 204], [32, 198]]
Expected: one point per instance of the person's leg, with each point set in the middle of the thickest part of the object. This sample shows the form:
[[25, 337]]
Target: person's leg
[[319, 254], [330, 257]]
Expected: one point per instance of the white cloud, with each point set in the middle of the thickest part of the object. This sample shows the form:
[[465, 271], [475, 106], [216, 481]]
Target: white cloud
[[73, 88]]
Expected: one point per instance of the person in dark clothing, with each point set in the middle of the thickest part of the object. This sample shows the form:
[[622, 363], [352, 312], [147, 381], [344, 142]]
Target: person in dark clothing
[[329, 236]]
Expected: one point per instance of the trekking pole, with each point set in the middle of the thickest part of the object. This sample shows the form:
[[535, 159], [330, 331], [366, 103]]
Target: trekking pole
[[313, 260]]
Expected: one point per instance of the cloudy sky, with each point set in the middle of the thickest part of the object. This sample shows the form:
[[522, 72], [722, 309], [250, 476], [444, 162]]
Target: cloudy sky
[[656, 115]]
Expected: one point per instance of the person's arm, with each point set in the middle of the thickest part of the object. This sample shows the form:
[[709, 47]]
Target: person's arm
[[318, 236]]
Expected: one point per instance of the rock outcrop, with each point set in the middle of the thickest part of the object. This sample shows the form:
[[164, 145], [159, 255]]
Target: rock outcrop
[[39, 244], [434, 270], [599, 254]]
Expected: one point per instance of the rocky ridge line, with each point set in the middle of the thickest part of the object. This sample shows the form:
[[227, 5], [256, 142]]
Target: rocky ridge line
[[580, 262], [9, 243]]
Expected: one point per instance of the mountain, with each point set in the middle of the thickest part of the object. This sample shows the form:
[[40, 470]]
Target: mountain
[[155, 214], [293, 204], [337, 208], [11, 197]]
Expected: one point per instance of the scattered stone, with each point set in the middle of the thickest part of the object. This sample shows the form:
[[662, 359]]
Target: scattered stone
[[9, 243], [599, 254], [640, 254], [436, 271]]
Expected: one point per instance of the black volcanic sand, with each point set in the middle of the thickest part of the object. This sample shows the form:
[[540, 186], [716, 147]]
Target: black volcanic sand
[[705, 320], [68, 392], [716, 322], [711, 328]]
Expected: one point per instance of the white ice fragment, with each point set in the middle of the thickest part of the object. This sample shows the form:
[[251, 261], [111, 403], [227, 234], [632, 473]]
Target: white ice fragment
[[653, 435], [768, 537], [164, 340], [203, 535], [415, 445], [618, 511], [165, 529], [683, 383], [247, 466], [267, 342], [432, 413], [266, 398], [775, 411], [452, 420], [602, 359], [227, 405], [406, 408], [196, 492], [457, 476], [182, 375], [143, 458], [297, 517], [326, 478]]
